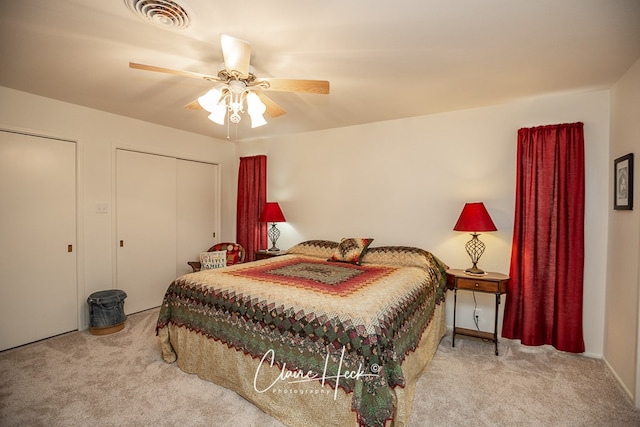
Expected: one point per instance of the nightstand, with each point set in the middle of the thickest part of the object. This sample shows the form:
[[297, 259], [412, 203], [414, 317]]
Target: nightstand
[[491, 283], [264, 254]]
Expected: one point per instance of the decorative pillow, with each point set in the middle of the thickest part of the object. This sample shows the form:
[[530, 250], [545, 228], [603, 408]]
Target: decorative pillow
[[234, 252], [216, 259], [315, 248], [406, 256], [350, 250]]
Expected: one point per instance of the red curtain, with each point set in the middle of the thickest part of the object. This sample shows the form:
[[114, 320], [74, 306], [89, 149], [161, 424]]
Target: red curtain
[[252, 195], [544, 300]]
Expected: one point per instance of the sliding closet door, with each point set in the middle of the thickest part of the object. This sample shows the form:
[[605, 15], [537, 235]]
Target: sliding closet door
[[146, 227], [38, 288], [197, 211]]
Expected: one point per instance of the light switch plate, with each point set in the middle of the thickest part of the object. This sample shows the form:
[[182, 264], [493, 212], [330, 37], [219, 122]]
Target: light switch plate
[[102, 208]]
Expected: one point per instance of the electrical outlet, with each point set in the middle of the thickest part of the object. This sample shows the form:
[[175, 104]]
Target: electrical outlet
[[476, 314]]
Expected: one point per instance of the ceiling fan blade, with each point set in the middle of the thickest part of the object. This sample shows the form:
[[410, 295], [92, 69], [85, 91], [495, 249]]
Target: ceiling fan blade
[[273, 109], [300, 86], [237, 54], [194, 105], [174, 72]]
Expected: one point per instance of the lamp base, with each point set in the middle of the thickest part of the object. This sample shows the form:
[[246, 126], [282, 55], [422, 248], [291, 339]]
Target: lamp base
[[475, 271], [273, 233], [475, 249]]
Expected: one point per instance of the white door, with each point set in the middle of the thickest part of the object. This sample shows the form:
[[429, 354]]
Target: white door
[[197, 200], [38, 289], [146, 227]]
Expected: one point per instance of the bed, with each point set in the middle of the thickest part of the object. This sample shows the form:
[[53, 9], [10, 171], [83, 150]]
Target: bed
[[330, 334]]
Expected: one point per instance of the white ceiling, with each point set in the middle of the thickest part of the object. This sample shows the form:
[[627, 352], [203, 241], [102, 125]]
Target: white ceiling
[[385, 59]]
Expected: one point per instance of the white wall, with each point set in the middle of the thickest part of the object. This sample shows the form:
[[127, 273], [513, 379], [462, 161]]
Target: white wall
[[406, 181], [623, 278], [401, 182], [98, 134]]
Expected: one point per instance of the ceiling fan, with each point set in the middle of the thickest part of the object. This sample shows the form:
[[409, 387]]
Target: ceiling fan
[[237, 83]]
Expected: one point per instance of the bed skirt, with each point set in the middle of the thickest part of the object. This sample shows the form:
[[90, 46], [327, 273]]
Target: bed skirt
[[301, 404]]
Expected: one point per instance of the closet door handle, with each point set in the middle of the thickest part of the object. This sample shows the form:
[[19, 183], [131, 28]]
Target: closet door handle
[[121, 243], [69, 248]]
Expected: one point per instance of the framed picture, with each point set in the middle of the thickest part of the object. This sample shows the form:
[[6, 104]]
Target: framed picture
[[623, 182]]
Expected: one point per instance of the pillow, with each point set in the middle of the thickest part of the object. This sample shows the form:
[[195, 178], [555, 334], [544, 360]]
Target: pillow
[[315, 248], [234, 252], [404, 256], [350, 250], [216, 259]]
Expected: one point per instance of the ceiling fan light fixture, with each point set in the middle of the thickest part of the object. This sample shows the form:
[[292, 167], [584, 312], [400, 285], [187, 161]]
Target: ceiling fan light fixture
[[257, 120], [256, 109], [209, 101], [254, 105], [218, 114]]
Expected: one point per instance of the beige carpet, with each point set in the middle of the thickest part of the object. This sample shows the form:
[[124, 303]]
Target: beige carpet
[[79, 379]]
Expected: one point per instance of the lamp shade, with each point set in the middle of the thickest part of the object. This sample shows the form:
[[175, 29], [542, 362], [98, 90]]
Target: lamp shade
[[272, 213], [474, 217]]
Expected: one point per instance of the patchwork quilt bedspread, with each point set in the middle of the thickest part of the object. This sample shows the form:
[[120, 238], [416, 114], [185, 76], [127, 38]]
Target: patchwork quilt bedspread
[[346, 325]]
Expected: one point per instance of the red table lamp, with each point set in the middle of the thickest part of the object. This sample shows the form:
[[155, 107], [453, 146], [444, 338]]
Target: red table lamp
[[474, 217], [272, 213]]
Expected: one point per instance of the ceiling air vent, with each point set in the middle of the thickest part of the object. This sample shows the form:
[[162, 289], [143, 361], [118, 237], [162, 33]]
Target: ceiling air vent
[[165, 14]]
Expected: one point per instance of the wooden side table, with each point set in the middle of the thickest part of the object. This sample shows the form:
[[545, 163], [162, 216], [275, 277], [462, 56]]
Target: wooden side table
[[264, 254], [492, 283]]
